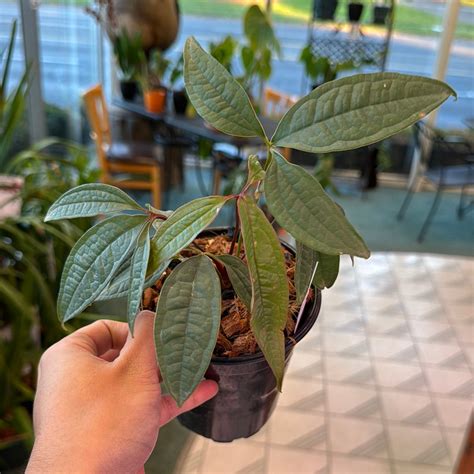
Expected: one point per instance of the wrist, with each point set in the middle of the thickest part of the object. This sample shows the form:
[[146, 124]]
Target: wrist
[[54, 457]]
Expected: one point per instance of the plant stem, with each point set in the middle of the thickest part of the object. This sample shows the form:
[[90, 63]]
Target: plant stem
[[236, 229]]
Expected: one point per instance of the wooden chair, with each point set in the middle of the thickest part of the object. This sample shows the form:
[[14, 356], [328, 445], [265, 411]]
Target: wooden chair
[[127, 165], [275, 105]]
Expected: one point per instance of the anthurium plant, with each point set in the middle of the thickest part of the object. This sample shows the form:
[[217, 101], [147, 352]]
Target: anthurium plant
[[130, 249]]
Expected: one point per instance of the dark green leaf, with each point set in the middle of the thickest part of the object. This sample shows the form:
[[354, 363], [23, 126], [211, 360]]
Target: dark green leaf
[[358, 110], [327, 271], [182, 227], [267, 270], [306, 261], [136, 276], [93, 262], [239, 277], [216, 95], [300, 205], [186, 326], [90, 200]]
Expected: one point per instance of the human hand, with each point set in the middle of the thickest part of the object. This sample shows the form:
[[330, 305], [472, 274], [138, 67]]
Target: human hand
[[98, 405]]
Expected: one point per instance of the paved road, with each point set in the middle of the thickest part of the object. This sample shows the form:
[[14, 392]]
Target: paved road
[[69, 57]]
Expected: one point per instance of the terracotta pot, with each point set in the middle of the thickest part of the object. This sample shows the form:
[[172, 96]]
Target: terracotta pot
[[155, 101], [247, 389]]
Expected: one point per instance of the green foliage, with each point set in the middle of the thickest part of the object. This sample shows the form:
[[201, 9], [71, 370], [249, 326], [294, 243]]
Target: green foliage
[[327, 271], [186, 328], [12, 104], [267, 271], [128, 50], [306, 261], [32, 256], [324, 122], [94, 260], [342, 114], [154, 70], [256, 53], [322, 69], [239, 277], [177, 71], [224, 51], [217, 97], [301, 206]]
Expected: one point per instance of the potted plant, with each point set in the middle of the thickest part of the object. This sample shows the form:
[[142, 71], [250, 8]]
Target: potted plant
[[354, 11], [381, 11], [180, 98], [154, 92], [257, 52], [271, 296], [321, 69], [324, 9], [128, 51]]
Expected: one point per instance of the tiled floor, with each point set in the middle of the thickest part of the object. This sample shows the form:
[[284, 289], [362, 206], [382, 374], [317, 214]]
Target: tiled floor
[[383, 383]]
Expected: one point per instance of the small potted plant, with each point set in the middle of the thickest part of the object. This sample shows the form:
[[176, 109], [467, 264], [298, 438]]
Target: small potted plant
[[128, 52], [324, 9], [232, 308], [354, 11], [321, 69], [154, 92], [381, 11], [180, 98]]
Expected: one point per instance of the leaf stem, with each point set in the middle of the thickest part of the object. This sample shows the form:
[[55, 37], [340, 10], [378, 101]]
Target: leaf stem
[[236, 229]]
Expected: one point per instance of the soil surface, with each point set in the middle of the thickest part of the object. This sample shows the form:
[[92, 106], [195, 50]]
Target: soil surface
[[235, 336]]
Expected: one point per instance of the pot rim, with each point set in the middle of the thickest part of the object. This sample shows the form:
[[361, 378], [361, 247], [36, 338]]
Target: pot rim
[[289, 344]]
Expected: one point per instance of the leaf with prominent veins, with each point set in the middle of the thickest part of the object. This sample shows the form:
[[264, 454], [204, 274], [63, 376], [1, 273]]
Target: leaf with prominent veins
[[358, 110], [94, 261], [90, 200], [216, 95], [266, 265], [187, 322]]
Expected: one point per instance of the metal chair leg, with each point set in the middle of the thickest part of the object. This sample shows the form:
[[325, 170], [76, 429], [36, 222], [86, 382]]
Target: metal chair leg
[[430, 216], [405, 203], [461, 207]]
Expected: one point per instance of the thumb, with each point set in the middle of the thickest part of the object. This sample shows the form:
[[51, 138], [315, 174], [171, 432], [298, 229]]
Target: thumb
[[140, 348]]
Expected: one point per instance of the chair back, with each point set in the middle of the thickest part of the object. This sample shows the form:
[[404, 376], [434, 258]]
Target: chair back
[[437, 149], [98, 116], [276, 104]]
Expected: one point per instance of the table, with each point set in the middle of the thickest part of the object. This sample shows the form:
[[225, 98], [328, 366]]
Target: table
[[196, 126]]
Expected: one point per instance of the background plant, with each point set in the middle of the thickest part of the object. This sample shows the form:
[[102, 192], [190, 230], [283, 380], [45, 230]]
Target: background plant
[[32, 257], [153, 70], [321, 69], [12, 102], [131, 248], [128, 51]]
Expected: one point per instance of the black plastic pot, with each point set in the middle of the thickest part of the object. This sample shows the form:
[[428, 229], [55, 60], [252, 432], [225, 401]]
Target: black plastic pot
[[380, 14], [129, 90], [354, 11], [180, 102], [324, 9], [247, 390]]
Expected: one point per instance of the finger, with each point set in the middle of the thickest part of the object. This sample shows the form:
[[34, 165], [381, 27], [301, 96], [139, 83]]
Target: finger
[[169, 409], [141, 348], [110, 355], [100, 337]]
